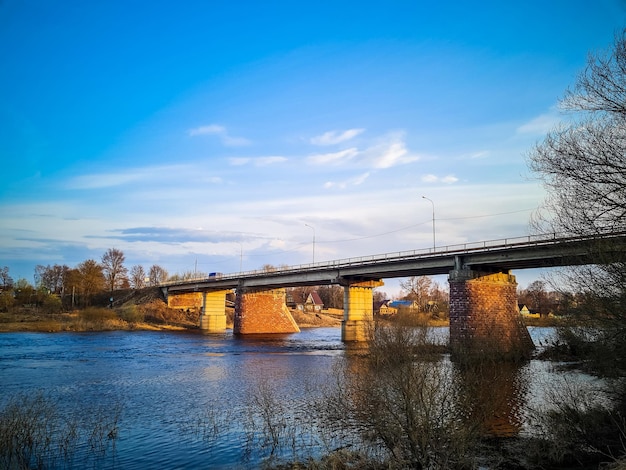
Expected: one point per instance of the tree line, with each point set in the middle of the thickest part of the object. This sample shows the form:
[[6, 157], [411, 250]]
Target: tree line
[[59, 286]]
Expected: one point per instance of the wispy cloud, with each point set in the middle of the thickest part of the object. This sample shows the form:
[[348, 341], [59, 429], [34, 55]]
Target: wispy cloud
[[448, 179], [125, 177], [541, 124], [170, 235], [390, 151], [239, 161], [335, 137], [221, 132], [387, 152], [334, 158], [263, 161], [257, 161], [356, 181], [207, 130]]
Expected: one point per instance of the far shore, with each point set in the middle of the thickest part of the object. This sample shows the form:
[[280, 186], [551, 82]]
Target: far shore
[[29, 320]]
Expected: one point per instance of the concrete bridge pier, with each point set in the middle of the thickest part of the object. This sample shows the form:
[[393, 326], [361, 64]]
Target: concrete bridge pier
[[213, 313], [262, 310], [484, 316], [358, 310]]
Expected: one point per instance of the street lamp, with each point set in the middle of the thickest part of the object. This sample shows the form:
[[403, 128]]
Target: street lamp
[[313, 228], [240, 255], [424, 197]]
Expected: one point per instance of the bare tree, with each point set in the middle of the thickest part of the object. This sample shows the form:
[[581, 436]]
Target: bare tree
[[137, 277], [332, 296], [582, 165], [113, 268], [157, 275], [536, 297], [5, 279], [72, 287], [417, 288], [413, 409], [52, 277], [92, 279]]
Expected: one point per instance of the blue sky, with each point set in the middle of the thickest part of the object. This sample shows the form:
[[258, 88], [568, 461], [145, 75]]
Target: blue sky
[[208, 135]]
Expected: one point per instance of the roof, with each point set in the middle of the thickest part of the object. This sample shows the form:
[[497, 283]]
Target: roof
[[315, 298], [402, 303]]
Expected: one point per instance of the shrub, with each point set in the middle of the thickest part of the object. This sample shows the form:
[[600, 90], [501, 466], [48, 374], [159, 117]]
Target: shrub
[[51, 304], [581, 425], [97, 315], [402, 404], [6, 301], [131, 314], [33, 434]]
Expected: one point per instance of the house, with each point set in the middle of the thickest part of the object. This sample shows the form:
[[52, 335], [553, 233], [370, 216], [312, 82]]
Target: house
[[313, 303], [382, 308]]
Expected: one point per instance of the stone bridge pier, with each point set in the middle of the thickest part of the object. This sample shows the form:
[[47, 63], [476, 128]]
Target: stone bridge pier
[[262, 310], [358, 309], [484, 316]]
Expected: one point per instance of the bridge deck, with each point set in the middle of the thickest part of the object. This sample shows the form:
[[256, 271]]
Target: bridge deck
[[515, 253]]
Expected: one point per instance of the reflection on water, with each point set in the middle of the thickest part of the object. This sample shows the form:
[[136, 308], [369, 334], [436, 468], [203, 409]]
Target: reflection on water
[[186, 397], [496, 395]]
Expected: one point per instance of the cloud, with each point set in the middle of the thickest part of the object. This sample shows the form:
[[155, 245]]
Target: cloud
[[221, 132], [448, 179], [263, 161], [335, 158], [389, 152], [540, 125], [121, 178], [335, 137], [239, 161], [169, 235], [257, 161], [103, 180], [207, 130], [356, 181]]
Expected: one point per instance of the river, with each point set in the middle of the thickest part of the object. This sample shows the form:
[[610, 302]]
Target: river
[[183, 397]]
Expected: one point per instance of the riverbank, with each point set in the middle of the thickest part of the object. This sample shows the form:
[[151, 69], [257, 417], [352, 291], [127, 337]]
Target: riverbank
[[153, 316]]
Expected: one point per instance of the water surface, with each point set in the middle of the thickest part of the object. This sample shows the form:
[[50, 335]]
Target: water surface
[[183, 396]]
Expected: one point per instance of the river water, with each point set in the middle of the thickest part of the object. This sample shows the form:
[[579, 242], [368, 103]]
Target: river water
[[183, 397]]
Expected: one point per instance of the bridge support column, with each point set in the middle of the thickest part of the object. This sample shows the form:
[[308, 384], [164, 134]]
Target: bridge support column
[[262, 311], [358, 310], [484, 316], [213, 313]]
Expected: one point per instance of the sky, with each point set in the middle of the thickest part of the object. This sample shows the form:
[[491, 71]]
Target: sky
[[219, 136]]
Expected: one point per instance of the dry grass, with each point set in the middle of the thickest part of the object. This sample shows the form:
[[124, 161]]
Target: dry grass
[[314, 320], [152, 316]]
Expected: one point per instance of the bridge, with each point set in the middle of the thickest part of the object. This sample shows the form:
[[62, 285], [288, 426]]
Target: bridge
[[483, 292]]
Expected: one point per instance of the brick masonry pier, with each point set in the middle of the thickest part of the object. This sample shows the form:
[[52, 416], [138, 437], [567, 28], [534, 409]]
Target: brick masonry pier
[[262, 311], [484, 315]]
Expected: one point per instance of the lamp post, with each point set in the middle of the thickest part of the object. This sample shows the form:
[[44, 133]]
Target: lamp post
[[313, 228], [240, 255], [424, 197]]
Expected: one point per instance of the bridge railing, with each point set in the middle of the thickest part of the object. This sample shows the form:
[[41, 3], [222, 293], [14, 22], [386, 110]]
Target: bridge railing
[[440, 251]]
